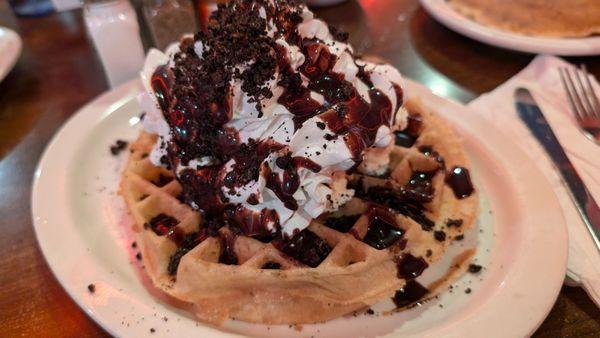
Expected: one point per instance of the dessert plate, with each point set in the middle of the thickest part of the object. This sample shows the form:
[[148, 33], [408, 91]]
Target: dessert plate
[[443, 13], [82, 228], [10, 49]]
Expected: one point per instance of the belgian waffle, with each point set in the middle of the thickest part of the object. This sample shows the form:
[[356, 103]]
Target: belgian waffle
[[228, 275]]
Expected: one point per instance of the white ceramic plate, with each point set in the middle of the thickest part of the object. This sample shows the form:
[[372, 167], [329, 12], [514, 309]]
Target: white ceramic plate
[[10, 49], [82, 229], [442, 12]]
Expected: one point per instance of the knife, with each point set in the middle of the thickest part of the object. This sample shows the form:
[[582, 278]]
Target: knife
[[531, 114]]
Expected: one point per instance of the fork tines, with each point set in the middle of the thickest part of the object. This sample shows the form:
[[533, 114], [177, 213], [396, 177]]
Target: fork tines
[[581, 95]]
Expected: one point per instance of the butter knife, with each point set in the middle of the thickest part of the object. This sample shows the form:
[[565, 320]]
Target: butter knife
[[531, 114]]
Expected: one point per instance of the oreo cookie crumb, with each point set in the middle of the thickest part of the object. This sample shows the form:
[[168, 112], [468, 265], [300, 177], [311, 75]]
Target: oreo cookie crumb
[[474, 268], [338, 34], [454, 222], [468, 291], [118, 147], [440, 236], [91, 288]]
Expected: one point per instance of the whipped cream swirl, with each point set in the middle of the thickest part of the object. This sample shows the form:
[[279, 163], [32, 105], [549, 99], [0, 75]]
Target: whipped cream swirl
[[302, 134]]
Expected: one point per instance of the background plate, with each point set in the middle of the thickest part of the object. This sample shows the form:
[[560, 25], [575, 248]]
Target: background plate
[[82, 229], [445, 14], [10, 49]]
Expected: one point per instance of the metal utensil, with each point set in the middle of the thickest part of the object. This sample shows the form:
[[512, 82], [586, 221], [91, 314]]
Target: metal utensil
[[583, 100], [531, 114]]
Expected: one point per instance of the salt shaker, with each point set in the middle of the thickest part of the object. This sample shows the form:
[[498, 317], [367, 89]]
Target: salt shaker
[[168, 20], [114, 29]]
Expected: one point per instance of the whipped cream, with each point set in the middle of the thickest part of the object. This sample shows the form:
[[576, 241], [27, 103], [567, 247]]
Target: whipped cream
[[319, 191]]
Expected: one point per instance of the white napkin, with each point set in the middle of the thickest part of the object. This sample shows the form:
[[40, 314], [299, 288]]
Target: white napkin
[[542, 79]]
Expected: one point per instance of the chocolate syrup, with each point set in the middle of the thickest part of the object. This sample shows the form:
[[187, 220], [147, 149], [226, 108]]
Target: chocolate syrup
[[411, 267], [459, 180], [349, 114], [285, 189], [396, 201], [383, 231], [409, 294], [161, 82], [300, 104], [162, 180], [305, 247], [161, 224], [228, 255], [407, 137], [342, 223], [187, 243], [250, 223], [419, 187], [428, 151], [252, 199]]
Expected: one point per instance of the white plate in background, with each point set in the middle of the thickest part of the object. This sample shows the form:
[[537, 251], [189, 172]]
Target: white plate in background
[[81, 226], [445, 14], [10, 49]]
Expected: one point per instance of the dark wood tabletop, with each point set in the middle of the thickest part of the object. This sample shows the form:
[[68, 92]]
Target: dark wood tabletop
[[58, 72]]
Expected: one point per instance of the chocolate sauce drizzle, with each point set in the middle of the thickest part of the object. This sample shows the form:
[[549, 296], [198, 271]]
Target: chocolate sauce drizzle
[[395, 200], [342, 223], [411, 267], [345, 112], [419, 187], [285, 188], [305, 247], [187, 243], [164, 225], [428, 151], [407, 137], [460, 181], [411, 292], [383, 231]]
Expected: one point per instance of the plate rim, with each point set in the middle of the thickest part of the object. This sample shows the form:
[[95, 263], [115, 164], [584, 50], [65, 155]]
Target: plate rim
[[443, 13], [14, 54], [113, 99]]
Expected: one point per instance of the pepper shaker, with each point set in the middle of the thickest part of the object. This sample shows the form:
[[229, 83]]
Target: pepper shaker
[[168, 20]]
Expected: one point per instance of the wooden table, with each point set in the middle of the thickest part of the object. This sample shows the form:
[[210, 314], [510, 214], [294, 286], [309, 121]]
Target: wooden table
[[59, 72]]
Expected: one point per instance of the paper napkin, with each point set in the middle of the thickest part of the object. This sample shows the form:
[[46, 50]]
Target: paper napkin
[[541, 77]]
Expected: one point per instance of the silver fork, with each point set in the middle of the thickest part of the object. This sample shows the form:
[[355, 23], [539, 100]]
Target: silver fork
[[583, 100]]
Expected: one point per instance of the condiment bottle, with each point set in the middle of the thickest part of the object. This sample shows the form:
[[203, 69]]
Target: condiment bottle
[[114, 29], [168, 20]]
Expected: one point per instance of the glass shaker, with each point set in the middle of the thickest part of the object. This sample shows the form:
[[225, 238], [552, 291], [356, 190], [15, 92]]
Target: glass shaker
[[113, 28], [168, 20]]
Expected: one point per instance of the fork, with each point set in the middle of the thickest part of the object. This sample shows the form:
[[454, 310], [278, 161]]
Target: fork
[[583, 100]]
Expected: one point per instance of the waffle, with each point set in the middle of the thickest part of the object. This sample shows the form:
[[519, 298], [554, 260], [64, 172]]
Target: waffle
[[264, 285]]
